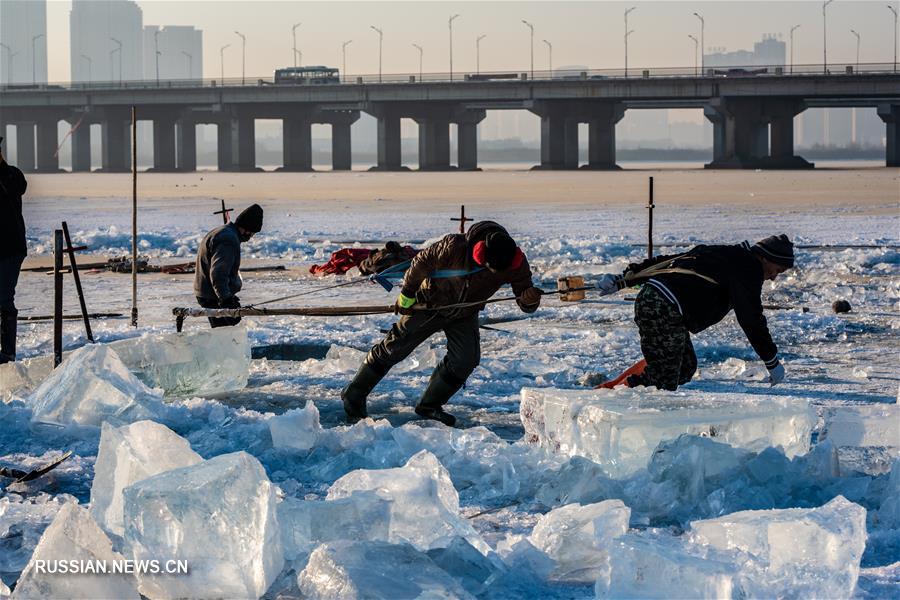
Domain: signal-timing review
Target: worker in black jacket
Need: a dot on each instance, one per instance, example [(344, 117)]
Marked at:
[(689, 292), (12, 253)]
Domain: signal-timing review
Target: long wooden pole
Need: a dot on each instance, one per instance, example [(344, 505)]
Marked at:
[(57, 296), (70, 250), (650, 207), (134, 257)]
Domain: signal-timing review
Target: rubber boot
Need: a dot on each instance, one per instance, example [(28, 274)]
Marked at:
[(8, 335), (441, 387), (356, 392)]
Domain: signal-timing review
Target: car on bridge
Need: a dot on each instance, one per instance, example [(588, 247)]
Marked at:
[(306, 75)]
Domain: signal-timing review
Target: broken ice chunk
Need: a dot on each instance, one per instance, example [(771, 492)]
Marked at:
[(814, 553), (662, 567), (865, 425), (889, 513), (202, 362), (297, 429), (74, 540), (467, 565), (425, 509), (90, 387), (219, 516), (22, 522), (127, 455), (619, 429), (21, 377), (578, 537), (348, 570)]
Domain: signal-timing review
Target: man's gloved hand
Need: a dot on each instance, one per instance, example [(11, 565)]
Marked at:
[(776, 374), (531, 297), (610, 284), (232, 302), (404, 305)]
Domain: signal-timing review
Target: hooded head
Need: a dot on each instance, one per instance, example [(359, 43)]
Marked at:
[(498, 252), (250, 220), (777, 251)]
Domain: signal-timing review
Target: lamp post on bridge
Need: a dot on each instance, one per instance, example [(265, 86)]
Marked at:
[(450, 27), (702, 42), (478, 53), (190, 64), (243, 57), (531, 28), (421, 52), (34, 39), (627, 33), (90, 64), (119, 50), (825, 36), (550, 58), (9, 54), (380, 41), (344, 57), (792, 46), (696, 44), (156, 53), (222, 62), (858, 39), (294, 36), (894, 10)]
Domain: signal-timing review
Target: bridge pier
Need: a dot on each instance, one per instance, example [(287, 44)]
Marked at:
[(164, 144), (467, 139), (297, 144), (341, 147), (47, 143), (389, 158), (186, 144), (237, 143), (434, 144), (81, 144), (602, 137), (890, 114), (554, 141), (116, 131), (25, 146)]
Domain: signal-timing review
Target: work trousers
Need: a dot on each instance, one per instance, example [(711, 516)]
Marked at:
[(9, 277), (665, 341), (217, 321)]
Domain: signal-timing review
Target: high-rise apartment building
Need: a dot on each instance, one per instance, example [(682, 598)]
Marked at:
[(23, 41), (180, 51), (106, 40)]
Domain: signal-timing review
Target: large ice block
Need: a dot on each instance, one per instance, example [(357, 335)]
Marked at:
[(307, 523), (90, 387), (425, 508), (129, 454), (663, 568), (619, 429), (20, 378), (218, 515), (74, 541), (297, 429), (201, 362), (348, 570), (813, 552), (888, 515), (864, 425), (22, 523), (578, 537)]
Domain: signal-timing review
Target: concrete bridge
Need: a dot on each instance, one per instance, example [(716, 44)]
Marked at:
[(752, 115)]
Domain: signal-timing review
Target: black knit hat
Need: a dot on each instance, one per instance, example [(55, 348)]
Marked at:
[(777, 249), (500, 250), (251, 219)]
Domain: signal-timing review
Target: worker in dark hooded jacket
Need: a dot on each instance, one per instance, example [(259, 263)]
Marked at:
[(689, 292), (217, 278), (458, 269), (12, 253)]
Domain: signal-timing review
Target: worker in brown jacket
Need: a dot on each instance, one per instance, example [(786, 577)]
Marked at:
[(459, 269)]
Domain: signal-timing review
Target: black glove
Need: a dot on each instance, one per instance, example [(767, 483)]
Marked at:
[(232, 302)]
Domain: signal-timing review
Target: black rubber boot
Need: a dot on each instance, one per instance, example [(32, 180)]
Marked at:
[(356, 392), (441, 387), (8, 336)]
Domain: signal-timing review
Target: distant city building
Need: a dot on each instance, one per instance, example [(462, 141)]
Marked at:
[(23, 33), (94, 27), (180, 52), (770, 51)]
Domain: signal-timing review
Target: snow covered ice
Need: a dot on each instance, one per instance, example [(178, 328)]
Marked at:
[(74, 537), (218, 515), (297, 429), (93, 386), (619, 429), (202, 362), (348, 570), (129, 454)]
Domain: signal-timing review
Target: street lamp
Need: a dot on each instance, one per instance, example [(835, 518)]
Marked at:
[(531, 27), (854, 32), (702, 42), (243, 57), (119, 50), (792, 46), (824, 37), (294, 36), (450, 27), (344, 56), (478, 52), (894, 10), (380, 40), (550, 59), (90, 63), (222, 61), (696, 44), (33, 57), (627, 33), (8, 62), (421, 52), (190, 64), (156, 49)]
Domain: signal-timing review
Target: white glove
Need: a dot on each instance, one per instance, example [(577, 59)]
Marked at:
[(609, 284), (776, 374)]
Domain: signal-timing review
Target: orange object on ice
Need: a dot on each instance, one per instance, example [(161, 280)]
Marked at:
[(635, 369)]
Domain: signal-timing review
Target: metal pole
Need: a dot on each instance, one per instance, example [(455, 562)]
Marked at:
[(650, 207), (294, 35), (419, 48), (134, 257), (854, 32), (119, 50), (222, 61), (450, 27), (695, 53), (57, 296), (380, 40), (478, 53), (702, 43), (8, 62), (894, 10), (627, 33), (550, 50), (792, 46), (344, 55), (156, 50), (90, 64), (824, 37), (34, 57), (531, 28), (243, 57), (70, 250), (190, 64)]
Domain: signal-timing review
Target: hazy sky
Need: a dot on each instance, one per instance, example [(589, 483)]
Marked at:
[(582, 33)]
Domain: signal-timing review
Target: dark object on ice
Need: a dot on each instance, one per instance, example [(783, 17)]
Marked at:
[(32, 318), (12, 252), (354, 394), (840, 306), (251, 218), (23, 476), (122, 264), (369, 260), (290, 351), (776, 248)]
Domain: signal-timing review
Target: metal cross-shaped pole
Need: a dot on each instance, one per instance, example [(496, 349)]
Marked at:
[(224, 212), (71, 250), (463, 219)]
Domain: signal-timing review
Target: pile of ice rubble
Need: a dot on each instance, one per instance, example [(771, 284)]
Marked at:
[(612, 492)]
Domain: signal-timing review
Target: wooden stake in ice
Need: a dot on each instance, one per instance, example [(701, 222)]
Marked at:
[(134, 257), (650, 207), (226, 217), (57, 296), (463, 219), (71, 250)]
